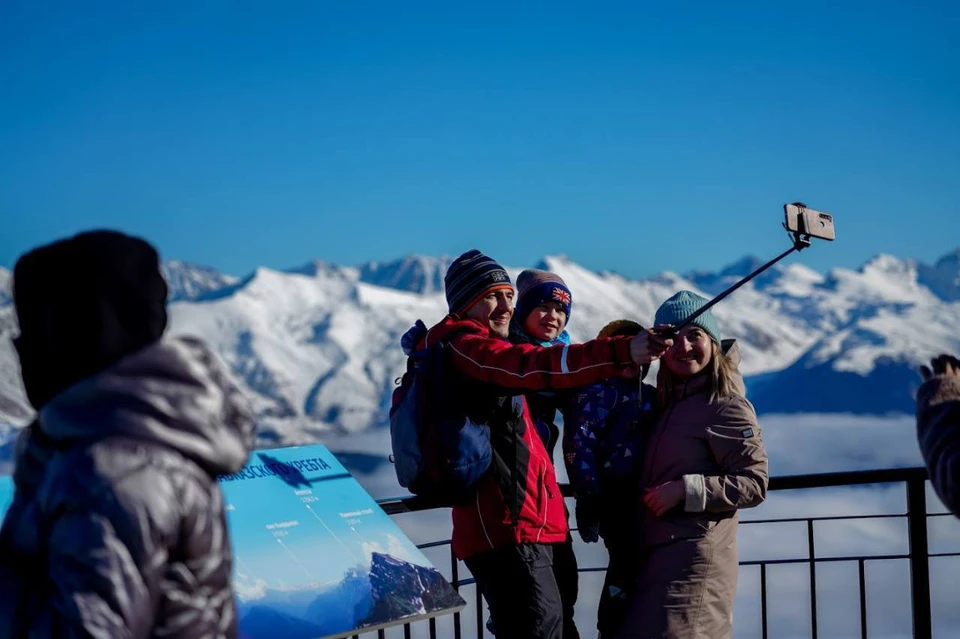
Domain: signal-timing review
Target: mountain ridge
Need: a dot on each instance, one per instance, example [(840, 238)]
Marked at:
[(317, 346)]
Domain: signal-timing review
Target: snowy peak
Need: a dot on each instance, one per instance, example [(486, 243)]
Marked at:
[(14, 408), (950, 261), (571, 272), (185, 281), (193, 282), (316, 347), (944, 277), (714, 283), (884, 279), (743, 266), (555, 263), (803, 273), (414, 273), (885, 265), (6, 287), (320, 269)]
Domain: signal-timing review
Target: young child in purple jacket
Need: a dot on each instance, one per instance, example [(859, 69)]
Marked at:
[(606, 426)]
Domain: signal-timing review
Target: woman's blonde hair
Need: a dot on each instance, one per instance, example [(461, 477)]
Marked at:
[(720, 371)]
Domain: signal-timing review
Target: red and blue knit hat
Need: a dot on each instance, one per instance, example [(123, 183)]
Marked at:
[(535, 287), (470, 277)]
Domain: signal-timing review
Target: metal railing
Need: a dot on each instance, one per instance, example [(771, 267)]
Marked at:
[(917, 554)]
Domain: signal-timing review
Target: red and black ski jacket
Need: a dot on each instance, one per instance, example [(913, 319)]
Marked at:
[(518, 500)]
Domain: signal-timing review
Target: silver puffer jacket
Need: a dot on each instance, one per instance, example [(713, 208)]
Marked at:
[(117, 527)]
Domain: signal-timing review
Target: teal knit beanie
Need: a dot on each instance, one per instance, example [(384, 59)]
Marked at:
[(684, 304)]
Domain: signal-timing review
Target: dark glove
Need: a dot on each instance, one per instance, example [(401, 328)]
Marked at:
[(413, 337), (587, 512)]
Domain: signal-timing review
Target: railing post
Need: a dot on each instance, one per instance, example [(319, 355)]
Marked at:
[(919, 557), (455, 578), (811, 546), (763, 600), (862, 570)]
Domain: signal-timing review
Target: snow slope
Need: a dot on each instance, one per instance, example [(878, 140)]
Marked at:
[(317, 346)]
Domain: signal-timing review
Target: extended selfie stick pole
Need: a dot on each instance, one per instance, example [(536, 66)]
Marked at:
[(801, 240)]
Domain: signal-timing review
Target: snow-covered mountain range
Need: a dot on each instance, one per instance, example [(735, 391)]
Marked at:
[(317, 346)]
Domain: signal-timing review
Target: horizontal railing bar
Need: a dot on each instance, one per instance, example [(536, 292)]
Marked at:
[(400, 505), (837, 518), (806, 560), (446, 542), (434, 544), (786, 520), (757, 562), (847, 478)]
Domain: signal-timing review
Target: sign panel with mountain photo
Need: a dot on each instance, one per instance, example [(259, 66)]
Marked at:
[(315, 556)]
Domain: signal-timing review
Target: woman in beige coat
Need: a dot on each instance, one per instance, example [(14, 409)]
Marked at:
[(704, 461)]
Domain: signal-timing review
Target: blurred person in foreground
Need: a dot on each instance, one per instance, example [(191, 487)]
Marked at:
[(117, 526), (938, 427)]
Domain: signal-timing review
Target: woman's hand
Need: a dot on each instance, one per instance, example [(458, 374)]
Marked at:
[(648, 346), (664, 497)]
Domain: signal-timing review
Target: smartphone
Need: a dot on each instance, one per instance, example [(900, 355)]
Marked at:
[(800, 219)]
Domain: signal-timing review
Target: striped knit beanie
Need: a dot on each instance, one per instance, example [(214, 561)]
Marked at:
[(684, 304), (470, 277), (534, 287)]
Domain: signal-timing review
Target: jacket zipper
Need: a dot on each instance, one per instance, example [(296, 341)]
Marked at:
[(546, 501), (483, 526)]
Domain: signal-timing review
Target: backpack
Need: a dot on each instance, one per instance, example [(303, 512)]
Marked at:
[(438, 452)]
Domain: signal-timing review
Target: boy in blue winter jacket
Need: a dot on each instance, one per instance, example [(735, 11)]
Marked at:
[(606, 426)]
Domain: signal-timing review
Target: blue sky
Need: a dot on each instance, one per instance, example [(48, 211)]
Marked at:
[(631, 136)]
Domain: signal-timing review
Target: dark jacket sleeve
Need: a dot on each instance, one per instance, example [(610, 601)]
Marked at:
[(735, 441), (12, 591), (938, 434), (526, 367), (107, 552), (14, 568)]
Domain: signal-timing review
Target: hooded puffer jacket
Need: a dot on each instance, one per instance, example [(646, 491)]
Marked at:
[(117, 527)]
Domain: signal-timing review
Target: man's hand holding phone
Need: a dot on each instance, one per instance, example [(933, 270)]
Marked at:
[(650, 345)]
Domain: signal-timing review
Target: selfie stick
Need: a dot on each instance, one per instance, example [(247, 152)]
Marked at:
[(801, 240)]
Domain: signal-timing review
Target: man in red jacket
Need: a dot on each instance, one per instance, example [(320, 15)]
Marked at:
[(505, 536)]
